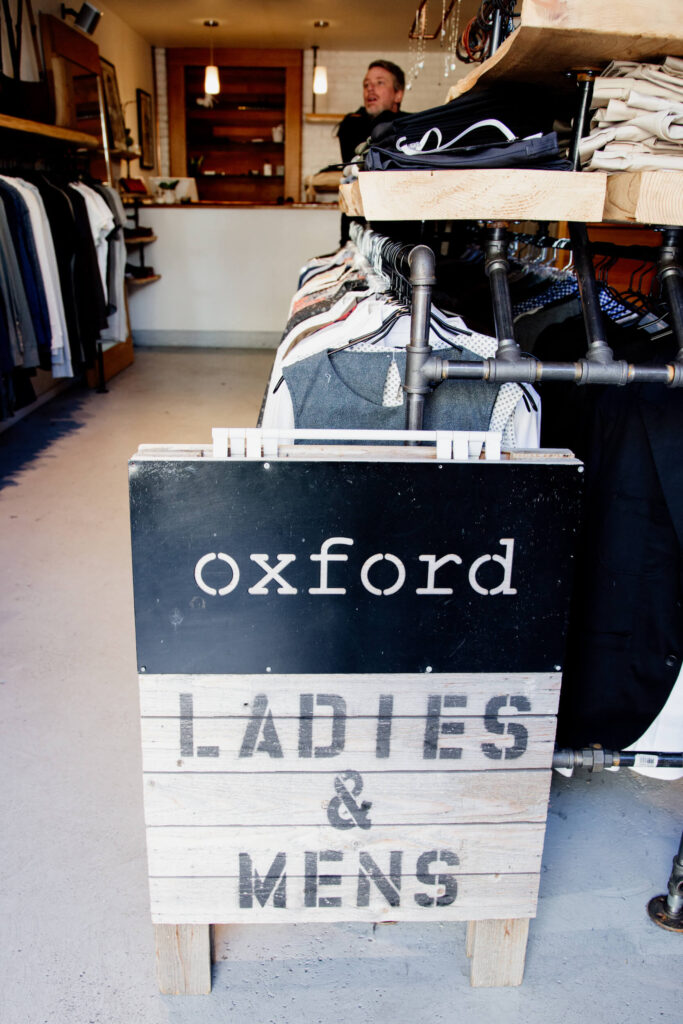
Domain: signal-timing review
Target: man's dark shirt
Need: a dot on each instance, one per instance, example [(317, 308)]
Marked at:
[(356, 128)]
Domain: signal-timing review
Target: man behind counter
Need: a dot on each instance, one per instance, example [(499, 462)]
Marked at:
[(383, 88)]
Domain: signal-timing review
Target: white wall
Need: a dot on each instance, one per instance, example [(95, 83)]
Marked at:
[(227, 274)]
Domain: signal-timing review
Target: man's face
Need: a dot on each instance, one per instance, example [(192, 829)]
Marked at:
[(379, 92)]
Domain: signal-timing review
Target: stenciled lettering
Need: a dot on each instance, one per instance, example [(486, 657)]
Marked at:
[(384, 720), (187, 730), (336, 745), (433, 565), (261, 724), (493, 724), (325, 557), (203, 562), (476, 575), (389, 886), (274, 884), (395, 587), (272, 573), (431, 870), (447, 880), (434, 727), (312, 879), (505, 560)]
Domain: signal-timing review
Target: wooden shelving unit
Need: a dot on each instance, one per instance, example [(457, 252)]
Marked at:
[(237, 138), (555, 36), (49, 131)]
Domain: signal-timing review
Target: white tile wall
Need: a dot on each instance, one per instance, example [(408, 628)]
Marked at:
[(162, 110)]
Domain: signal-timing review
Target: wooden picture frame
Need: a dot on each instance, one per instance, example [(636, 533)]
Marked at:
[(114, 110), (145, 129)]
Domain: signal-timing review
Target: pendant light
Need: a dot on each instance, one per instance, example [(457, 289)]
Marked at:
[(212, 83), (319, 77)]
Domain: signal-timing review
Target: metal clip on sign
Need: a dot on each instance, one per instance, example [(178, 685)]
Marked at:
[(451, 445)]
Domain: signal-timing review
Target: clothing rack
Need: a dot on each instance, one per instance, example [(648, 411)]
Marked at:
[(424, 370)]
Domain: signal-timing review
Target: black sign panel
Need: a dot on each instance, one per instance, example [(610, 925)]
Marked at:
[(347, 567)]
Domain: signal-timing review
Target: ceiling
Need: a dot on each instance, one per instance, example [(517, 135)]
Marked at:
[(353, 24)]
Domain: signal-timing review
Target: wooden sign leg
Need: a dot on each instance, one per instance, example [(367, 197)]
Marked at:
[(183, 954), (498, 951)]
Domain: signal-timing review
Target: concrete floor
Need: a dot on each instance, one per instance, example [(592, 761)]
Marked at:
[(76, 941)]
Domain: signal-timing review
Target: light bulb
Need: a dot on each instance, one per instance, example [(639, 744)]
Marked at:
[(320, 80), (212, 84)]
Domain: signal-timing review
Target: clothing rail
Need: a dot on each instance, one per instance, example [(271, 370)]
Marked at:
[(424, 370)]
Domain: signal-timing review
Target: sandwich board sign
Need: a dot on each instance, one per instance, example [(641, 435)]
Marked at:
[(349, 675)]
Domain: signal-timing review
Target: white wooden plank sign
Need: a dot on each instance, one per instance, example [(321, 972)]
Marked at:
[(358, 797)]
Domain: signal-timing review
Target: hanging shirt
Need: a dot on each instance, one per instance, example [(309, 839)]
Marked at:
[(59, 342)]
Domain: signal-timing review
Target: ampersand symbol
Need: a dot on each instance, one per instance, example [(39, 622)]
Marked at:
[(346, 796)]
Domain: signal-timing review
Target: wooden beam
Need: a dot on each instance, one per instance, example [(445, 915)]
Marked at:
[(183, 958), (645, 197), (557, 35), (350, 201), (482, 194), (498, 951)]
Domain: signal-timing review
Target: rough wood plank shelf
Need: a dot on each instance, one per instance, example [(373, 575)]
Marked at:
[(141, 240), (350, 201), (645, 197), (477, 194), (51, 131), (323, 118), (557, 35), (143, 280)]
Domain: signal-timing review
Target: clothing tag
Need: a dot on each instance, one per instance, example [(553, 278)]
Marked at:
[(645, 761), (392, 395)]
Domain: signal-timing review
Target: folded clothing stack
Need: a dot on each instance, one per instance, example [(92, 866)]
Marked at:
[(637, 123), (499, 126)]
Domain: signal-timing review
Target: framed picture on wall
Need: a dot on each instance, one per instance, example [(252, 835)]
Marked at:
[(145, 129), (112, 102)]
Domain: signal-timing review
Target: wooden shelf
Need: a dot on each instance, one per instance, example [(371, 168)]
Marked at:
[(143, 280), (645, 197), (116, 356), (555, 36), (50, 131), (477, 194), (323, 118), (141, 240)]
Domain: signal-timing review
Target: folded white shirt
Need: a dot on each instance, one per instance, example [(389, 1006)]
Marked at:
[(603, 161)]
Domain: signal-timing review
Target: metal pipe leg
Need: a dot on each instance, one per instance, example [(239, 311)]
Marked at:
[(497, 273), (667, 911), (598, 349), (585, 84), (670, 273), (416, 387)]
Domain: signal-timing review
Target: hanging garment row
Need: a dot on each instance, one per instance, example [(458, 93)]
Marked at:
[(62, 270), (341, 361), (622, 678)]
